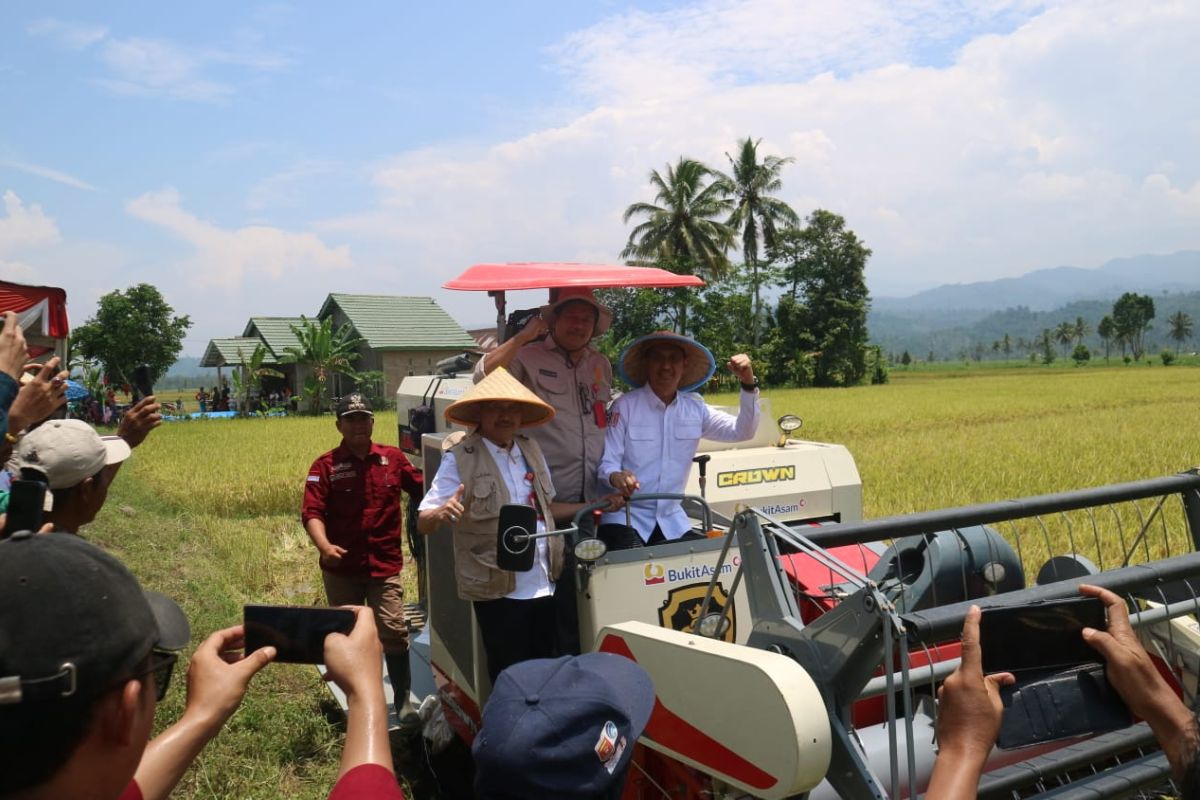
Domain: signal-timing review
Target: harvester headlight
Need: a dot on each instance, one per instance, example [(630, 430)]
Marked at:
[(788, 424), (590, 549), (713, 626)]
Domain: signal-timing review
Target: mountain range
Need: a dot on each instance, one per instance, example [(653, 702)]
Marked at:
[(954, 319)]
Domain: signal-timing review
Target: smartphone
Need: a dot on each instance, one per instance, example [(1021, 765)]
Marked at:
[(26, 503), (296, 632), (1040, 636), (142, 385)]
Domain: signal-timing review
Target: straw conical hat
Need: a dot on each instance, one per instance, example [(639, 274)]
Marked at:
[(698, 368), (501, 386)]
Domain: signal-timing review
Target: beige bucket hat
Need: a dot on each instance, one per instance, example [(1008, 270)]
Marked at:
[(501, 386), (560, 297)]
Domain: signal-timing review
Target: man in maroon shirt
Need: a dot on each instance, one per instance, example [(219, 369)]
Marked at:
[(352, 514)]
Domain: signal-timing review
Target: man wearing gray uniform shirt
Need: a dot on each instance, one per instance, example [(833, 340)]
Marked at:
[(576, 379)]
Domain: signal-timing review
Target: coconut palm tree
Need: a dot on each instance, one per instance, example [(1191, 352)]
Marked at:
[(682, 225), (756, 215), (1181, 328), (1065, 335), (325, 351), (682, 229)]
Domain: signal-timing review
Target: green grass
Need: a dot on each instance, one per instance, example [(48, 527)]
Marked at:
[(207, 511)]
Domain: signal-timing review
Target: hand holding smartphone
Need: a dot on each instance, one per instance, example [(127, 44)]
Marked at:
[(1061, 689), (296, 632)]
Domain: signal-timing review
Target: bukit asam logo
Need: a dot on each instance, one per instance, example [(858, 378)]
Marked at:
[(655, 574)]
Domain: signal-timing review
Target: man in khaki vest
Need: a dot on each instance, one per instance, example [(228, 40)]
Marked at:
[(497, 464)]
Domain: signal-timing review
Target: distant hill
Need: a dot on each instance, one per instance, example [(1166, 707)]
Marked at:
[(1046, 289), (953, 321), (188, 367)]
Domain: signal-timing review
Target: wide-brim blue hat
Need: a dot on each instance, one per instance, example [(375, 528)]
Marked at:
[(562, 728), (697, 369)]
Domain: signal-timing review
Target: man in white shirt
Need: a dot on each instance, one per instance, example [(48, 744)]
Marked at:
[(655, 430)]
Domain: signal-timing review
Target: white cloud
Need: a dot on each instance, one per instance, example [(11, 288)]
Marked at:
[(281, 190), (225, 258), (16, 271), (148, 66), (48, 173), (24, 226), (75, 35), (960, 140)]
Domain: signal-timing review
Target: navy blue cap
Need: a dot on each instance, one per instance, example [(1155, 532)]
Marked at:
[(73, 620), (562, 728)]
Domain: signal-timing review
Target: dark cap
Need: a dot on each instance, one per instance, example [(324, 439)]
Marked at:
[(74, 621), (562, 728), (354, 404)]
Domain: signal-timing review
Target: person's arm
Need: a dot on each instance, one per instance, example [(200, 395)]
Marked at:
[(135, 426), (721, 427), (13, 351), (412, 480), (354, 663), (442, 505), (1141, 686), (969, 714), (564, 512), (38, 399), (216, 683), (504, 354), (312, 513)]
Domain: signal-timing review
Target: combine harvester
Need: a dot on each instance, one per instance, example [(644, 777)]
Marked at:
[(797, 651)]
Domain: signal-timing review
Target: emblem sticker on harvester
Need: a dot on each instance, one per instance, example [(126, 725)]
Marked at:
[(681, 610), (653, 574), (610, 746)]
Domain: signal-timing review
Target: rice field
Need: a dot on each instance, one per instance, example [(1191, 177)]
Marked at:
[(207, 511)]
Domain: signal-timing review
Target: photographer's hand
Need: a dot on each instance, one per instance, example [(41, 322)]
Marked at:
[(139, 420), (355, 664), (13, 351), (969, 715), (39, 398), (1141, 686), (217, 679)]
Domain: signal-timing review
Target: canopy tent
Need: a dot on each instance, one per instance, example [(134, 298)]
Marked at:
[(42, 311)]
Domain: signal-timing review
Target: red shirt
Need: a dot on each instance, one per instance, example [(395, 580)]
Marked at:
[(359, 501)]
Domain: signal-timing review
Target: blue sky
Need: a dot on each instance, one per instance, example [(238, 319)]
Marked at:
[(249, 159)]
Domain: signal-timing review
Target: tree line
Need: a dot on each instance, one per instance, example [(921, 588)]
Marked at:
[(1124, 328)]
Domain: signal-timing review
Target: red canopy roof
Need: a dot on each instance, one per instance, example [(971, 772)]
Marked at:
[(42, 311), (511, 277)]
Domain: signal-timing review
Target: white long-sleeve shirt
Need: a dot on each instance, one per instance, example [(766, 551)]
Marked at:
[(656, 442)]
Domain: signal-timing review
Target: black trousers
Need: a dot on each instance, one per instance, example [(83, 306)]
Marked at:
[(623, 537), (515, 630)]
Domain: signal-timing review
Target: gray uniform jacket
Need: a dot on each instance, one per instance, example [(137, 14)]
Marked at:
[(574, 440)]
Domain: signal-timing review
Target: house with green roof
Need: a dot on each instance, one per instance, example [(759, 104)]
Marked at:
[(403, 335)]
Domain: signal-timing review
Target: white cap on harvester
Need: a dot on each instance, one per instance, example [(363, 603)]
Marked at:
[(68, 451)]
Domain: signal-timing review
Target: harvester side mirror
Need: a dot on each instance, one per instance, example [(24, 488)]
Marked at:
[(788, 424), (515, 548)]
